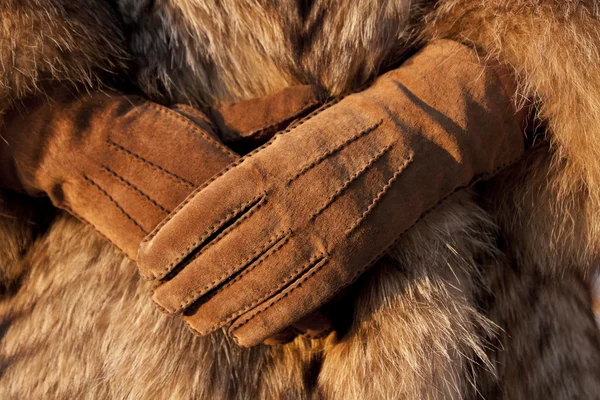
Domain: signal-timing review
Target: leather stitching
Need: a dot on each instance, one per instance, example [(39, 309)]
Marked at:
[(192, 297), (150, 163), (332, 151), (194, 130), (109, 197), (258, 133), (380, 195), (281, 242), (195, 192), (351, 179), (274, 300), (134, 188), (256, 203), (281, 285), (359, 272)]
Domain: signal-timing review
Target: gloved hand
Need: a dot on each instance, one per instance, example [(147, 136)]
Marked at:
[(122, 163), (281, 231)]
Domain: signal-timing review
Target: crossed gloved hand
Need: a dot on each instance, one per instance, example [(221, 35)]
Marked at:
[(122, 163), (282, 230), (275, 234)]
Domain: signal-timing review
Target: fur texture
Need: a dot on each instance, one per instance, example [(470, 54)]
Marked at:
[(487, 297)]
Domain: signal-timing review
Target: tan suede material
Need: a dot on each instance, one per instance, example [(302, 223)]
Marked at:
[(246, 124), (121, 163), (284, 229)]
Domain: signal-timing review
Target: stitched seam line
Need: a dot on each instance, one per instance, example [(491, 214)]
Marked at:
[(258, 133), (351, 179), (185, 109), (380, 195), (353, 278), (317, 267), (151, 164), (314, 260), (195, 192), (134, 188), (332, 151), (192, 297), (263, 257), (255, 204), (230, 317), (94, 184), (193, 128), (314, 113)]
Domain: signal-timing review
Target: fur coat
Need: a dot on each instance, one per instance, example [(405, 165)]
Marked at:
[(487, 297)]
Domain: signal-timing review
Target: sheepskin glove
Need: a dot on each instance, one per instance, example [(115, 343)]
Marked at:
[(285, 228), (123, 163)]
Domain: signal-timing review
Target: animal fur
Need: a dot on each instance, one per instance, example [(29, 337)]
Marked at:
[(489, 296)]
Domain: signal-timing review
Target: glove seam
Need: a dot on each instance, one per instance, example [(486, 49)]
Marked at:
[(349, 181), (256, 134), (114, 202), (199, 292), (279, 288), (197, 190), (282, 294), (281, 241), (141, 159), (254, 205), (379, 255), (185, 109), (192, 128), (380, 195), (134, 188), (332, 151)]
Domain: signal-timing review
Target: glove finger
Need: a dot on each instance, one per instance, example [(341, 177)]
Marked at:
[(196, 221), (251, 122), (247, 240), (319, 282), (261, 280)]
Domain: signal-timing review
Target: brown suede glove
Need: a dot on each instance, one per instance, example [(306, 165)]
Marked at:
[(284, 229), (122, 163)]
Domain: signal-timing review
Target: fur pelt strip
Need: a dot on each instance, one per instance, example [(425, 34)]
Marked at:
[(444, 316)]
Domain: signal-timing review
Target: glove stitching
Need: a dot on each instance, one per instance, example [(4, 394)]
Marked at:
[(256, 203), (184, 109), (380, 195), (193, 128), (281, 242), (196, 191), (355, 276), (264, 131), (351, 179), (109, 197), (192, 297), (332, 151), (274, 300), (313, 114), (134, 188), (314, 260), (151, 164)]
